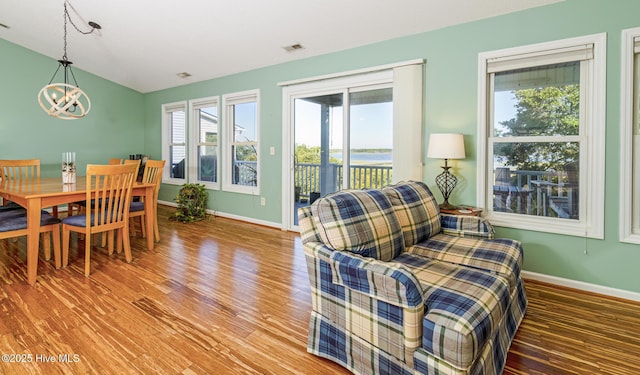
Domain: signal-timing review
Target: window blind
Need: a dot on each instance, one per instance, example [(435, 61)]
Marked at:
[(538, 58), (407, 122), (636, 44)]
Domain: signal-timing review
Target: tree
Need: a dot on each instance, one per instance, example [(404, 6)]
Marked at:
[(311, 154), (546, 111), (307, 154)]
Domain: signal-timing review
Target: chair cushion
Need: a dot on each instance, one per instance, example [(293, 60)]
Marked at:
[(80, 220), (502, 256), (417, 210), (464, 307), (136, 206), (17, 219), (464, 226), (359, 221), (10, 206)]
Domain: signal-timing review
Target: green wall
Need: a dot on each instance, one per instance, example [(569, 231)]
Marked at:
[(113, 128), (451, 105), (122, 121)]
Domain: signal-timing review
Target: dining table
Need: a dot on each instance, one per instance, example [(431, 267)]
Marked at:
[(39, 193)]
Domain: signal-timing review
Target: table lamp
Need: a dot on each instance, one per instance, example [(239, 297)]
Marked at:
[(446, 146)]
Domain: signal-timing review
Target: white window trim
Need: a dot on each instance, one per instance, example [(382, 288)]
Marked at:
[(408, 164), (628, 205), (592, 183), (194, 139), (228, 136), (166, 142)]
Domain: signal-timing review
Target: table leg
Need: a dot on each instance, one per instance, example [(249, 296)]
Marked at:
[(33, 238)]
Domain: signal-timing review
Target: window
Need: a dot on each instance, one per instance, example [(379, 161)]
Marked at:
[(630, 137), (541, 136), (241, 163), (174, 140), (204, 144)]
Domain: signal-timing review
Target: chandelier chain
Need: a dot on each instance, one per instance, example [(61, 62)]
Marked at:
[(64, 56), (67, 15)]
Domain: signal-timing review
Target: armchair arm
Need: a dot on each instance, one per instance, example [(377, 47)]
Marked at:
[(466, 226), (386, 281)]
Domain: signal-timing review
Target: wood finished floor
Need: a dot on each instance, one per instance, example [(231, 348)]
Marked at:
[(225, 297)]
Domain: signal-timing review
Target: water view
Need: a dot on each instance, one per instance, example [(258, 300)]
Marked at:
[(375, 157)]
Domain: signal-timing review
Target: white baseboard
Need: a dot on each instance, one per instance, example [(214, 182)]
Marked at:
[(594, 288), (232, 216)]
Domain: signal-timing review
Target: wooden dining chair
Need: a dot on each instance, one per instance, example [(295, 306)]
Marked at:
[(13, 217), (152, 175), (107, 200), (14, 224), (79, 206), (18, 170)]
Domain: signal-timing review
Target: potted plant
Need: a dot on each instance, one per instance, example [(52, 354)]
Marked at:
[(192, 203)]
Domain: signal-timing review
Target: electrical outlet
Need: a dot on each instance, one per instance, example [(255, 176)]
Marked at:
[(263, 201)]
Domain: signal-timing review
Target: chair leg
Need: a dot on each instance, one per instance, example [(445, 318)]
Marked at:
[(104, 236), (109, 236), (65, 246), (56, 245), (155, 226), (126, 243), (119, 241), (142, 225), (87, 255), (46, 244)]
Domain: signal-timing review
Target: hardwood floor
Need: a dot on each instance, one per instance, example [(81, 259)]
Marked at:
[(223, 296)]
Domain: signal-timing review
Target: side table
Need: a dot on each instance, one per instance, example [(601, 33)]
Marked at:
[(463, 210)]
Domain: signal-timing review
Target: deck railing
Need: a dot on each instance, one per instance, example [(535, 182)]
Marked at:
[(307, 178), (539, 193)]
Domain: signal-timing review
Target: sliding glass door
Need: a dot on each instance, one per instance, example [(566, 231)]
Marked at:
[(356, 130), (342, 140)]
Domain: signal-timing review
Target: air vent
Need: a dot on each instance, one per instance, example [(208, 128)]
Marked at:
[(184, 75), (4, 26), (293, 47)]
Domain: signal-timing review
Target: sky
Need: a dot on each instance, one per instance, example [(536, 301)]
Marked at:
[(371, 125)]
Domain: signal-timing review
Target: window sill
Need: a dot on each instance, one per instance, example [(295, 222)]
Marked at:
[(567, 227)]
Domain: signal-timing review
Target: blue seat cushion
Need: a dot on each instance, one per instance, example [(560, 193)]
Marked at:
[(80, 220), (17, 219), (136, 206), (10, 206)]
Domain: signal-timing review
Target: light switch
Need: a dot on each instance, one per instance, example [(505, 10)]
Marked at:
[(272, 150)]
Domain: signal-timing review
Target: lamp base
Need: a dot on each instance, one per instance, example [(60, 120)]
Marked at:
[(447, 206)]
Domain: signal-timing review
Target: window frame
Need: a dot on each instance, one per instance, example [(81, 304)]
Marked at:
[(592, 151), (167, 109), (194, 140), (629, 174), (228, 134)]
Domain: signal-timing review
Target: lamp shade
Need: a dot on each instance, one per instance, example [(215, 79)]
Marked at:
[(446, 146)]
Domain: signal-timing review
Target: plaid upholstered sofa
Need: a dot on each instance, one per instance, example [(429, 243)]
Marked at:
[(398, 288)]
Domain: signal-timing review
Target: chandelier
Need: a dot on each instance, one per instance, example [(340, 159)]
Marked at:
[(66, 100)]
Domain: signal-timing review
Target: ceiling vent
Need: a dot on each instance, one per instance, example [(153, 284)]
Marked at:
[(293, 47), (184, 75)]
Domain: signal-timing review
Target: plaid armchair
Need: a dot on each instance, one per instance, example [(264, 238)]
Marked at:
[(398, 288)]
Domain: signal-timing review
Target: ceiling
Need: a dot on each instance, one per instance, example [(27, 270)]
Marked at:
[(144, 44)]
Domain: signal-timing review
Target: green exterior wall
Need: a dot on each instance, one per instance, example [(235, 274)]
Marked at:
[(451, 56)]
